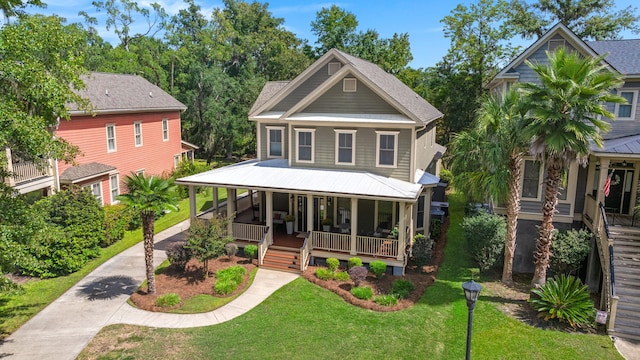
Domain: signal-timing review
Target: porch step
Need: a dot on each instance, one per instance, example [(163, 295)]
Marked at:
[(626, 261), (283, 260)]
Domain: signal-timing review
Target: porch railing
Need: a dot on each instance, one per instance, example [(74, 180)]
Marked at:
[(263, 245), (248, 232), (331, 241), (25, 170), (305, 252), (386, 247)]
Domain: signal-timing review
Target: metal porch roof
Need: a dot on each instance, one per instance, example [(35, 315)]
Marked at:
[(277, 175)]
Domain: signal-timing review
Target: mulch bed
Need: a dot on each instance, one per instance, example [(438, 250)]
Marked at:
[(190, 282)]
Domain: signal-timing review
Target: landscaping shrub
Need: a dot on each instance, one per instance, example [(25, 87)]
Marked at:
[(324, 274), (435, 227), (186, 168), (251, 251), (354, 261), (386, 300), (378, 267), (364, 293), (231, 250), (168, 300), (358, 274), (564, 298), (224, 286), (333, 264), (402, 288), (228, 280), (446, 176), (178, 255), (341, 276), (485, 234), (117, 219), (422, 250), (569, 249), (207, 240)]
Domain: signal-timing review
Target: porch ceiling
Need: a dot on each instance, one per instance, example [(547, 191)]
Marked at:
[(277, 175)]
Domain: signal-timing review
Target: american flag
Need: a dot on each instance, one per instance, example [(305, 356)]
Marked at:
[(607, 185)]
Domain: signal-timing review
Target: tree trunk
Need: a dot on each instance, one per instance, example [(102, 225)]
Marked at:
[(543, 244), (512, 211), (147, 230)]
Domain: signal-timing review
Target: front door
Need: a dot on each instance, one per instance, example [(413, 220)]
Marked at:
[(619, 199), (301, 205)]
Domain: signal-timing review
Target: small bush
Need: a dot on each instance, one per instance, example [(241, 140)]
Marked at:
[(422, 250), (485, 234), (228, 280), (358, 274), (569, 249), (363, 293), (354, 261), (324, 274), (435, 227), (378, 267), (402, 288), (117, 219), (566, 299), (332, 264), (178, 255), (386, 300), (168, 300), (251, 251), (341, 276), (231, 249), (446, 176), (224, 286)]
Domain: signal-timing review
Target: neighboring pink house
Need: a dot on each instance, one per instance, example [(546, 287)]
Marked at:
[(134, 127)]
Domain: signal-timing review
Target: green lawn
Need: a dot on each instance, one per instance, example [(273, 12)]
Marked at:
[(302, 320), (16, 310)]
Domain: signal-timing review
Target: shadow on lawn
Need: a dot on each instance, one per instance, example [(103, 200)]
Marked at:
[(108, 287), (11, 312)]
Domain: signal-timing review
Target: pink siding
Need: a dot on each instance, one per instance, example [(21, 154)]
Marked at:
[(155, 156)]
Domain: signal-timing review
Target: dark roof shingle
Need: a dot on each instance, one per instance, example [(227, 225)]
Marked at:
[(624, 55), (85, 171)]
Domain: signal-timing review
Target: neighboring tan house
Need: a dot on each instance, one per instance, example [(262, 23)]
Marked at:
[(350, 152), (579, 203), (134, 126)]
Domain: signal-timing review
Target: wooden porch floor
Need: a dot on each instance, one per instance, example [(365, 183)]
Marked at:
[(623, 220)]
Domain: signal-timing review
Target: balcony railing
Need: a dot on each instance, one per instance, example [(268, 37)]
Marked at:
[(25, 171)]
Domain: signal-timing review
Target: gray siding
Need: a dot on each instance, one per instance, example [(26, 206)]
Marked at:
[(362, 101), (425, 150), (264, 140), (526, 244), (529, 206), (621, 128), (304, 89), (538, 56)]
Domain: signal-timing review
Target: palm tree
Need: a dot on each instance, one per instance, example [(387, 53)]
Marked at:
[(488, 156), (148, 195), (566, 111)]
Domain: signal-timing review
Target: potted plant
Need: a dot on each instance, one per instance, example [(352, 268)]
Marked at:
[(289, 219), (326, 224)]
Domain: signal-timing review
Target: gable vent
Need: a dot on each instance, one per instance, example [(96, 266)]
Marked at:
[(554, 44), (334, 67), (349, 84)]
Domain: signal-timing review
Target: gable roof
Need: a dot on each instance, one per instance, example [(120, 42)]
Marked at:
[(624, 55), (384, 84), (122, 93), (83, 172)]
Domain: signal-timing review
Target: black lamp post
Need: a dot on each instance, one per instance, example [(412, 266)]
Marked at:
[(471, 292)]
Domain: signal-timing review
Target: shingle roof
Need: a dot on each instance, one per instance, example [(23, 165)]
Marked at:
[(124, 93), (270, 89), (624, 55), (85, 171)]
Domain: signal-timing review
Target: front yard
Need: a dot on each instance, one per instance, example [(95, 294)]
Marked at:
[(303, 320)]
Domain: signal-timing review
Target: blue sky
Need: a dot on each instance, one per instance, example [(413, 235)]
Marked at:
[(419, 18)]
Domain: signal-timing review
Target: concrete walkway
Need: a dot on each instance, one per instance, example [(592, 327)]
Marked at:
[(65, 327)]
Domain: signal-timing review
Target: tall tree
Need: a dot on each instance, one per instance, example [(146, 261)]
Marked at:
[(335, 28), (488, 156), (589, 19), (12, 8), (565, 112), (147, 196)]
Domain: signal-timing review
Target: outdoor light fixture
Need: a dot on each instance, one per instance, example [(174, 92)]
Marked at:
[(471, 291)]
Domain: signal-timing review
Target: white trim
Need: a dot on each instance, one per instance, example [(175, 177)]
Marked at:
[(165, 129), (540, 180), (111, 188), (353, 146), (349, 85), (556, 44), (281, 129), (140, 172), (313, 144), (137, 125), (633, 103), (395, 148), (115, 144), (333, 67)]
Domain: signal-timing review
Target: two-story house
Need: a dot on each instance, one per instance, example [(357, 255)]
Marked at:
[(344, 145), (133, 126), (579, 202)]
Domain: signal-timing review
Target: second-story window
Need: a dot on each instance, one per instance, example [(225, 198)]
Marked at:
[(137, 133), (165, 129), (345, 147), (531, 179), (387, 148), (305, 151), (111, 138), (627, 111), (275, 141)]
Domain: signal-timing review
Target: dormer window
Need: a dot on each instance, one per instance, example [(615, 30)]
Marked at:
[(334, 67), (349, 85)]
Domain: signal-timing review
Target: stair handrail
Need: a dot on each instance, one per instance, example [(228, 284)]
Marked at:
[(611, 300), (305, 251), (263, 245), (612, 280)]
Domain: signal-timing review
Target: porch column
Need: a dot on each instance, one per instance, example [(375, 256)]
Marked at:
[(354, 225), (310, 212), (215, 200), (591, 171), (231, 208), (269, 214), (192, 203), (376, 218), (604, 172), (402, 231), (394, 220)]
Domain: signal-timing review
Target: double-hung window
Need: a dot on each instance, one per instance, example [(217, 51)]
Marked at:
[(531, 179), (111, 137), (387, 148), (304, 149), (137, 133), (627, 111), (114, 184), (275, 137), (165, 129), (345, 147), (96, 190)]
